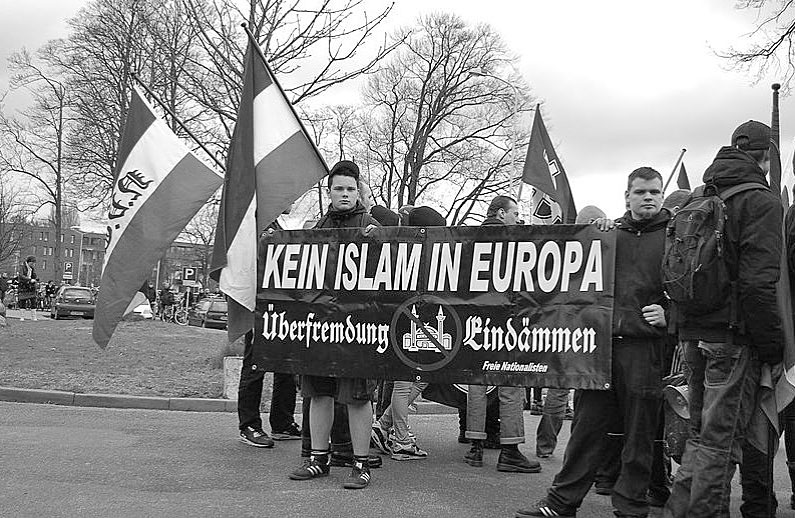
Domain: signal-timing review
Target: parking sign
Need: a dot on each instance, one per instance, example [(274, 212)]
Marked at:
[(67, 271)]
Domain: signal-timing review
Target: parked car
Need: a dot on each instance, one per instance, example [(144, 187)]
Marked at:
[(73, 301), (210, 312)]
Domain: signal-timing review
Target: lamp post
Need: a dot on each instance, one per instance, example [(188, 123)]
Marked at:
[(79, 254), (477, 72)]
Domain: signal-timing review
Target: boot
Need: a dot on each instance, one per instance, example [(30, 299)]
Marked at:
[(513, 461), (475, 455)]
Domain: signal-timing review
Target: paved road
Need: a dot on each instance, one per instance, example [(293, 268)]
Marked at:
[(96, 462)]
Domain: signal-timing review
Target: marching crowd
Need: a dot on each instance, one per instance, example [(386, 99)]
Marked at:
[(721, 320)]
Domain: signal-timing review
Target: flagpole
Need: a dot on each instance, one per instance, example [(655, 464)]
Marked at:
[(176, 119), (673, 172), (256, 46)]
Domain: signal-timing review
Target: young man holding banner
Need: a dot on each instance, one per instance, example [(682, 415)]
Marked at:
[(356, 393), (503, 210), (639, 328)]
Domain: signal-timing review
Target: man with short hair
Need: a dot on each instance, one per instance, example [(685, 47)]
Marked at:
[(346, 211), (639, 328), (724, 349), (502, 210)]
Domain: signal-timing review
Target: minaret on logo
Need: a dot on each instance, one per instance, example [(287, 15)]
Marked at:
[(419, 339)]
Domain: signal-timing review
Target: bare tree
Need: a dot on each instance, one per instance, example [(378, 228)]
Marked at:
[(201, 233), (13, 219), (33, 145), (769, 46), (431, 124)]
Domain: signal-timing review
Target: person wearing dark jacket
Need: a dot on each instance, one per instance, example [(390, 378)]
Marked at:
[(724, 349), (502, 210), (346, 211), (639, 328), (27, 280)]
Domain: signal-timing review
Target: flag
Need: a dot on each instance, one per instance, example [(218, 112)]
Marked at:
[(271, 162), (543, 170), (159, 185), (682, 181), (543, 210)]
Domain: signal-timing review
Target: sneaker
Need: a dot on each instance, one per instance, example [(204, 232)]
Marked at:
[(379, 438), (359, 477), (543, 455), (475, 456), (345, 460), (542, 508), (291, 433), (513, 461), (311, 468), (255, 437), (407, 452)]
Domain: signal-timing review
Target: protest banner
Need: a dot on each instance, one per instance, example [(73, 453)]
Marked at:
[(514, 305)]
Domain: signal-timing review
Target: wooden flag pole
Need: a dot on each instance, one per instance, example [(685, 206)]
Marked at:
[(676, 166), (176, 119)]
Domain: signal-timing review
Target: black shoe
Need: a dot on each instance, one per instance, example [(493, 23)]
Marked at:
[(359, 477), (291, 433), (792, 501), (313, 467), (544, 509), (342, 460), (255, 437), (512, 461), (475, 455), (656, 499)]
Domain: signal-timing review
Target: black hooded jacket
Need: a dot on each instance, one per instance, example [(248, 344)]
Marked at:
[(352, 218), (753, 256), (639, 250)]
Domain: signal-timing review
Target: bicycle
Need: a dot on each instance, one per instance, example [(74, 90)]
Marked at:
[(177, 315)]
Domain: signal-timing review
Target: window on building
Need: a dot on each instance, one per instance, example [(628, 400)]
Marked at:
[(73, 239), (44, 264), (46, 236), (62, 236)]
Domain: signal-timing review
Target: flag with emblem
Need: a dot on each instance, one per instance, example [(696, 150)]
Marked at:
[(682, 181), (159, 185), (544, 172), (271, 162)]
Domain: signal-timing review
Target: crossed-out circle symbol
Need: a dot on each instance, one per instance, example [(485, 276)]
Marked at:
[(404, 311)]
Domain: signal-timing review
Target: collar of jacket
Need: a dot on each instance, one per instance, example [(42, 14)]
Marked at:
[(626, 222), (343, 214), (733, 166), (492, 220)]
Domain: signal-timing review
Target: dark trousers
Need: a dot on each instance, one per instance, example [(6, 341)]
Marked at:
[(788, 423), (660, 486), (340, 432), (249, 394), (282, 401), (756, 479), (634, 399)]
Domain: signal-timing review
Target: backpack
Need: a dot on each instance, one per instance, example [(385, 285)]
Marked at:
[(695, 275)]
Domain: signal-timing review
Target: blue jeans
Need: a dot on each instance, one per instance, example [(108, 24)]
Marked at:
[(723, 381), (511, 418)]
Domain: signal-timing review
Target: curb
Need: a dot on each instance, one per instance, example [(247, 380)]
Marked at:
[(55, 397)]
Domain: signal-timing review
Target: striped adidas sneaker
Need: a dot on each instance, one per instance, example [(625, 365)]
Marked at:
[(543, 509), (312, 468), (359, 477)]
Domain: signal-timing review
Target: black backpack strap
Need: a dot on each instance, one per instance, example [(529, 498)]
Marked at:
[(741, 187)]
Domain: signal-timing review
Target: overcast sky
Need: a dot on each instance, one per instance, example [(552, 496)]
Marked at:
[(625, 83)]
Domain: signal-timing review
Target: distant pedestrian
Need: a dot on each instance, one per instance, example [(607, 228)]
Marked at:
[(27, 279), (3, 286)]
